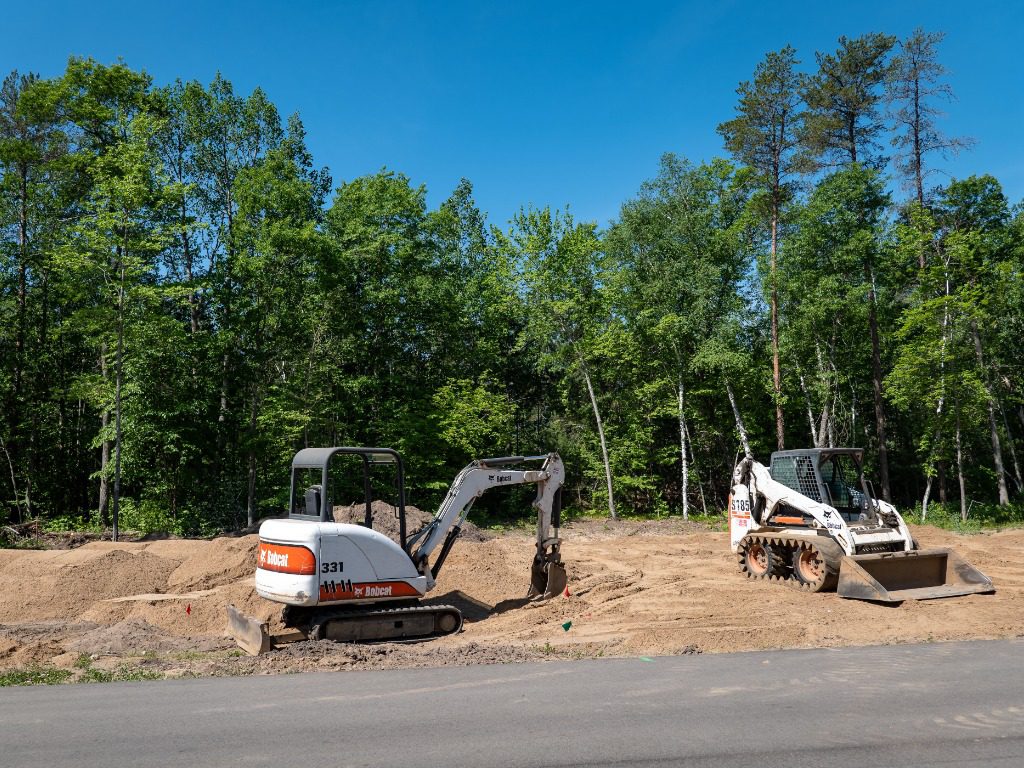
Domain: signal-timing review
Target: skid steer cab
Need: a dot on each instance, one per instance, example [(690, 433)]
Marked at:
[(355, 582), (813, 520)]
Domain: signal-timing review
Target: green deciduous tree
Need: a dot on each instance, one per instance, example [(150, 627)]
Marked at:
[(679, 260), (564, 284), (833, 274)]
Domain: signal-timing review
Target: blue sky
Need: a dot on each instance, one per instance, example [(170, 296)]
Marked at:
[(539, 103)]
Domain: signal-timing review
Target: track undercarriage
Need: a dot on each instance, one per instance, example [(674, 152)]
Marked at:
[(355, 624), (808, 562), (405, 621)]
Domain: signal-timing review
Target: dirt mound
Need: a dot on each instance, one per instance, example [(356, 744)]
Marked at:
[(635, 588), (385, 520), (215, 563), (61, 584), (132, 638)]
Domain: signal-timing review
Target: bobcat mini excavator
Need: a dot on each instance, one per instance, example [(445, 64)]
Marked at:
[(814, 521), (351, 583)]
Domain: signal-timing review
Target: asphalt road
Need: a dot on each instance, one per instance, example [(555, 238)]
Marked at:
[(949, 704)]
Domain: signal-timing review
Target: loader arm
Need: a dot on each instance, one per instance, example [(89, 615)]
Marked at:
[(548, 574)]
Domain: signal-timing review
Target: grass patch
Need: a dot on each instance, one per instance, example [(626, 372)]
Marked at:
[(714, 521), (34, 676), (980, 517), (123, 673)]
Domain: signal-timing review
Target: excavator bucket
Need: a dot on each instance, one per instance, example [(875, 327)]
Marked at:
[(892, 577), (252, 636), (547, 579)]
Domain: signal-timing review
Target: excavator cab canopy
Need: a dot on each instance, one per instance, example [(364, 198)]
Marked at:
[(319, 474)]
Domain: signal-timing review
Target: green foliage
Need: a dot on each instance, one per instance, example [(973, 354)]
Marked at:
[(980, 516), (64, 523), (35, 676), (186, 303), (121, 674), (473, 419), (843, 99)]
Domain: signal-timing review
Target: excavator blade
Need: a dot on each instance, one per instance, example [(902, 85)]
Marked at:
[(252, 636), (547, 579), (925, 574)]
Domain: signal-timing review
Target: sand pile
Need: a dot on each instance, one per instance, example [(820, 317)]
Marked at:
[(657, 587)]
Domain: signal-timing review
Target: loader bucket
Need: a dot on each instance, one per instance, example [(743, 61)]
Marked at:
[(892, 577), (252, 636)]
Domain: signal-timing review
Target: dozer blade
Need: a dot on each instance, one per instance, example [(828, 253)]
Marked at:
[(892, 577), (547, 579), (252, 636)]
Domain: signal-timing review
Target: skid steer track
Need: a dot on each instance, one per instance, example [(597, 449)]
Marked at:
[(808, 563)]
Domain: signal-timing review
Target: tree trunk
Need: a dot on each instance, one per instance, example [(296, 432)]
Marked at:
[(600, 434), (924, 502), (827, 424), (876, 385), (19, 351), (739, 421), (960, 466), (918, 171), (1013, 451), (941, 465), (700, 486), (780, 438), (682, 452), (825, 428), (14, 481), (119, 376), (250, 504), (104, 497), (223, 410), (193, 296), (810, 409), (997, 450)]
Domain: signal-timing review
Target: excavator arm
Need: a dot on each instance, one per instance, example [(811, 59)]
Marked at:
[(548, 575)]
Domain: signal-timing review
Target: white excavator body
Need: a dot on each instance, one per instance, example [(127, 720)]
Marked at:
[(349, 582), (308, 564)]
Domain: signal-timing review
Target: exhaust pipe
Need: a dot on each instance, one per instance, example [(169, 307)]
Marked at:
[(892, 577)]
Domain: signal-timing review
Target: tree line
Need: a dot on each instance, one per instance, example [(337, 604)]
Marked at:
[(187, 299)]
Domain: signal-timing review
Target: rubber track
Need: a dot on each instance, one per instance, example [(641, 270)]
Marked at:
[(779, 570), (785, 546), (326, 615)]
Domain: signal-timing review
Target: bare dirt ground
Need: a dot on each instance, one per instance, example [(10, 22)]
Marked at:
[(635, 589)]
